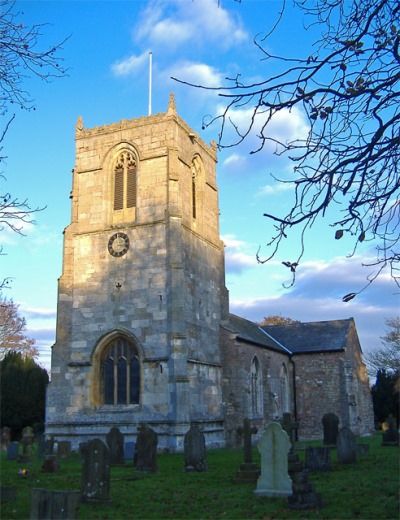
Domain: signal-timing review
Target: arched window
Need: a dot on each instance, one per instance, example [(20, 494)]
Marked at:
[(284, 390), (125, 173), (120, 373), (256, 388)]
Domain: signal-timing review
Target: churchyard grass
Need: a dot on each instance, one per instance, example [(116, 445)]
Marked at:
[(368, 490)]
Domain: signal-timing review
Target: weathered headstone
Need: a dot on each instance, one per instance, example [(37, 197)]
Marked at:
[(12, 451), (115, 443), (95, 479), (195, 450), (290, 428), (129, 451), (7, 494), (146, 449), (82, 450), (248, 471), (346, 447), (54, 505), (43, 447), (390, 436), (5, 437), (330, 424), (27, 441), (318, 458), (50, 464), (274, 447), (64, 449), (362, 449)]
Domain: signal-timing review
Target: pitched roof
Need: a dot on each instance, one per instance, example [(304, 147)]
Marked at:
[(251, 332), (317, 336)]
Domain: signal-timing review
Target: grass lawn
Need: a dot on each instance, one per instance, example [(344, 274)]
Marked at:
[(367, 490)]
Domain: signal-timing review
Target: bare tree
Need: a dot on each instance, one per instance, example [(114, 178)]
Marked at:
[(12, 331), (21, 57), (347, 87), (387, 355)]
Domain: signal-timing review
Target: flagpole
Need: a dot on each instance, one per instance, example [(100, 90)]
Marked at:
[(150, 78)]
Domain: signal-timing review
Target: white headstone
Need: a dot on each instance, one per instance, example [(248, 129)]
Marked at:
[(274, 447)]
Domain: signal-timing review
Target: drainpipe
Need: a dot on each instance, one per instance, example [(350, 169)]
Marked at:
[(294, 393)]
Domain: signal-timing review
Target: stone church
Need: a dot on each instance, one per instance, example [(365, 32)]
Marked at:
[(144, 332)]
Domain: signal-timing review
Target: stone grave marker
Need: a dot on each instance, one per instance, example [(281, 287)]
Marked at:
[(95, 478), (195, 450), (54, 505), (330, 424), (390, 436), (274, 447), (82, 449), (12, 451), (129, 451), (248, 471), (362, 449), (7, 494), (146, 449), (64, 449), (115, 443), (5, 437), (51, 464), (318, 458), (27, 441), (346, 446), (290, 428), (43, 447)]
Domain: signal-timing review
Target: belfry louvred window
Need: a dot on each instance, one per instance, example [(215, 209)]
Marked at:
[(125, 173)]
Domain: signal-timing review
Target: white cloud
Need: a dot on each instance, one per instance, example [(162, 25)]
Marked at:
[(174, 23), (237, 258), (130, 65), (284, 126), (196, 73)]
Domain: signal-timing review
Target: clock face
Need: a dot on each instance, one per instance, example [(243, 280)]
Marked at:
[(118, 244)]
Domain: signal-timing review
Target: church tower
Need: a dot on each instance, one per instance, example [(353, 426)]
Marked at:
[(142, 292)]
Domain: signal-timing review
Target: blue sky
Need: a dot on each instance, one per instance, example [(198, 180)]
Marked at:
[(107, 55)]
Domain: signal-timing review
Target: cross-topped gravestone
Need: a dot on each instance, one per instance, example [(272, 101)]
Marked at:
[(247, 431), (248, 471)]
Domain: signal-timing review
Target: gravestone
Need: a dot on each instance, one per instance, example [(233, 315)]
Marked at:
[(290, 428), (54, 505), (248, 471), (82, 450), (115, 443), (195, 450), (64, 449), (274, 447), (95, 478), (27, 441), (330, 424), (346, 447), (43, 447), (318, 458), (146, 449), (390, 436), (362, 449), (5, 437), (7, 494), (129, 451), (50, 464), (12, 451)]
